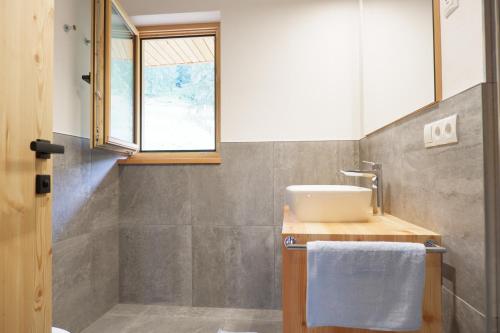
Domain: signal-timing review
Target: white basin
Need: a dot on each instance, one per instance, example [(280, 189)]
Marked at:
[(329, 203)]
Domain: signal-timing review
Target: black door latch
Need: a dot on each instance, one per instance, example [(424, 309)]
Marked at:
[(42, 184), (44, 148)]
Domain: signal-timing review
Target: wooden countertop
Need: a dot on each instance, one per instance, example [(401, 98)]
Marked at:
[(385, 227)]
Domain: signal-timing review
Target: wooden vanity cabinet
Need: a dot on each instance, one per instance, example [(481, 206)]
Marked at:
[(378, 228)]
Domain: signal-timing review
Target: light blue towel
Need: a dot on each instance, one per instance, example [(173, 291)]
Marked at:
[(369, 285)]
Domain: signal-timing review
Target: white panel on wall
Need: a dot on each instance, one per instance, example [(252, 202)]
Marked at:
[(290, 69), (463, 47), (398, 59), (71, 61)]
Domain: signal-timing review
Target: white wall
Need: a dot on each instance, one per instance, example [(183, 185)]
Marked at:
[(290, 68), (397, 59), (71, 61), (463, 47)]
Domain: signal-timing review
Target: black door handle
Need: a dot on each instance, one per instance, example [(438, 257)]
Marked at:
[(44, 148)]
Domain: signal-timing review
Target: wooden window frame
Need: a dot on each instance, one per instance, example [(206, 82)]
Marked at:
[(101, 78), (438, 60), (182, 30)]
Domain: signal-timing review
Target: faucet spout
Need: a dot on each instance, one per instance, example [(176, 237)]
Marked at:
[(375, 174), (358, 173)]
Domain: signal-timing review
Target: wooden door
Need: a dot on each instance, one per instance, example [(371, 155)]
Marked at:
[(26, 52)]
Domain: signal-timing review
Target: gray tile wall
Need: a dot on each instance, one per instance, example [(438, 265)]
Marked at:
[(442, 189), (85, 233), (208, 235)]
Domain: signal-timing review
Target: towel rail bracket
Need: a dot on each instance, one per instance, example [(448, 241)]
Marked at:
[(430, 245)]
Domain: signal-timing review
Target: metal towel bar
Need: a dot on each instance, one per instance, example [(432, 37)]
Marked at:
[(430, 245)]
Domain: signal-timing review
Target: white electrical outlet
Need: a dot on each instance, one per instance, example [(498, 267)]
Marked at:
[(449, 6), (441, 132)]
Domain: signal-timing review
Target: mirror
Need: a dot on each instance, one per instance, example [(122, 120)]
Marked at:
[(400, 59)]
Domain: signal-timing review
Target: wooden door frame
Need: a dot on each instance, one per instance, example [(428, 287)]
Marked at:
[(491, 144)]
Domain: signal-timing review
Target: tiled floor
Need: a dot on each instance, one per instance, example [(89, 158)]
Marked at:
[(133, 318)]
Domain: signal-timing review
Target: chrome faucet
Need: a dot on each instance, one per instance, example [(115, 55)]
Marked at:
[(375, 174)]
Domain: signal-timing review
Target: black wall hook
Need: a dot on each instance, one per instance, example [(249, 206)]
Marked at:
[(86, 78)]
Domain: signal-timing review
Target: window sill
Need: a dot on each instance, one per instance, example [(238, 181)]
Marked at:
[(172, 158)]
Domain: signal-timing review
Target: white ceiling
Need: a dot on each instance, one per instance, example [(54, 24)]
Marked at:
[(177, 18)]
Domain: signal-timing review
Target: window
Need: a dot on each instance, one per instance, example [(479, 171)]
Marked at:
[(122, 79), (178, 94), (114, 79), (156, 89)]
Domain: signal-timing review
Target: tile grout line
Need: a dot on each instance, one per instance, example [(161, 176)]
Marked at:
[(134, 225), (190, 198), (465, 302), (274, 300)]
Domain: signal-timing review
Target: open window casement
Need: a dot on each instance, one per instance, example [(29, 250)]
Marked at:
[(115, 79), (156, 89)]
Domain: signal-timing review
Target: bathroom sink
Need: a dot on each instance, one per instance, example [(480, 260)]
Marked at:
[(329, 203)]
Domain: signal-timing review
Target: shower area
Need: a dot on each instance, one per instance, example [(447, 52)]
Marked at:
[(168, 248)]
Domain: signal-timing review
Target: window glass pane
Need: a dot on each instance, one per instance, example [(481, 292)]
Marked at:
[(178, 110), (122, 79)]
